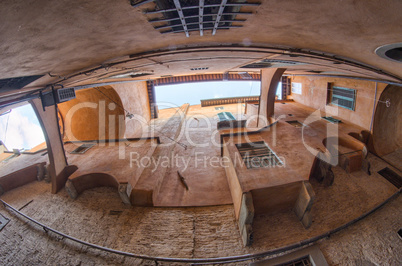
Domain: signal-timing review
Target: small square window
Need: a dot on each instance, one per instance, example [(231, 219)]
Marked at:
[(304, 261), (343, 97), (295, 123), (226, 116), (391, 176), (331, 119), (258, 155), (82, 149), (219, 108)]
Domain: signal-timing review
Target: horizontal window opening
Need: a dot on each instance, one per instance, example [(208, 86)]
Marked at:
[(226, 116), (304, 261), (391, 176), (343, 97), (82, 149), (295, 123), (258, 155), (331, 119)]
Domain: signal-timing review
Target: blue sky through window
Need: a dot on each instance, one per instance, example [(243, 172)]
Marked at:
[(168, 96), (20, 129)]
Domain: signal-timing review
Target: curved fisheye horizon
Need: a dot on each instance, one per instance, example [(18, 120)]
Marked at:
[(200, 132)]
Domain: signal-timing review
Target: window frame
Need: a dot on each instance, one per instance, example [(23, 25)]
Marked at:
[(264, 160), (330, 96), (226, 116)]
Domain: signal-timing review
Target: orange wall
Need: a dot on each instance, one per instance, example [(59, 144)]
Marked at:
[(314, 94), (83, 117)]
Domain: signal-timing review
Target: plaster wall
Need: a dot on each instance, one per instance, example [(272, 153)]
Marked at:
[(21, 162), (276, 188), (314, 94), (119, 160), (199, 162), (387, 126), (205, 232), (269, 83), (252, 113), (233, 181), (119, 29), (93, 115), (197, 158), (49, 123), (134, 96)]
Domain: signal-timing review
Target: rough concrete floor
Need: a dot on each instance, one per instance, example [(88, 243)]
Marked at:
[(98, 216)]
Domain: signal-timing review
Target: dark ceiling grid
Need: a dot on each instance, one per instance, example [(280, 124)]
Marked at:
[(196, 15), (201, 17)]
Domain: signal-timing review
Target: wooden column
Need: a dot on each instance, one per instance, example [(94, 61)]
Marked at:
[(269, 83)]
